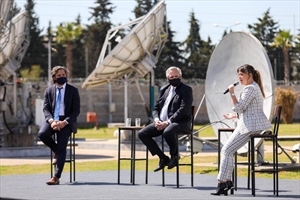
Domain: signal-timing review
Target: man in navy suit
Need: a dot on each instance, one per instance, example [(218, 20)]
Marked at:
[(171, 114), (60, 118)]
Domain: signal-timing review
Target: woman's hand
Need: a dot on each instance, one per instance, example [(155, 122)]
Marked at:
[(230, 116), (231, 89)]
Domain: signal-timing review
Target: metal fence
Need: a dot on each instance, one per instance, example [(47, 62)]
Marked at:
[(194, 81)]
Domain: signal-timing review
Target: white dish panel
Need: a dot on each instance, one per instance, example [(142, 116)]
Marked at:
[(13, 53), (5, 8), (17, 35), (127, 56), (234, 50)]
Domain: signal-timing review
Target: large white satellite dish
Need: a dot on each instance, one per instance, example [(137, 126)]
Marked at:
[(133, 55), (234, 50), (5, 10), (13, 53)]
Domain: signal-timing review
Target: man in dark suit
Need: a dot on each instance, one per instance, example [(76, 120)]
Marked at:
[(61, 108), (171, 114)]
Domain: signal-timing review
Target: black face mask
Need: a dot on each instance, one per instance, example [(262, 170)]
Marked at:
[(175, 82), (61, 80)]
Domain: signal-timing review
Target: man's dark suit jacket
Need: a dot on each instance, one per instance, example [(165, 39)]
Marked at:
[(71, 102), (179, 109)]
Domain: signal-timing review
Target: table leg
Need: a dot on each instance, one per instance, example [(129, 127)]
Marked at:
[(133, 163), (219, 147), (146, 165), (119, 145), (131, 159)]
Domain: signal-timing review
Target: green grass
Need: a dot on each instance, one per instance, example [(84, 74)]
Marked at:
[(100, 133), (112, 165), (206, 131), (105, 133), (284, 130)]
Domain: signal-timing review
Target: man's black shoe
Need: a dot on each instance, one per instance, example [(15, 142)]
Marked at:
[(173, 162), (162, 163)]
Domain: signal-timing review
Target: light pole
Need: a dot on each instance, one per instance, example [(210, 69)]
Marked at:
[(49, 62), (48, 44), (226, 27)]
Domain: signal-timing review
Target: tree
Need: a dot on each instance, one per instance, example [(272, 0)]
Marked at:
[(265, 30), (198, 51), (34, 72), (284, 40), (79, 54), (96, 33), (66, 34), (296, 58), (57, 58), (206, 51), (15, 10), (102, 12), (36, 53), (143, 7), (171, 55)]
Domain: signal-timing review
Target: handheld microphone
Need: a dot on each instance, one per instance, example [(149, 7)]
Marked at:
[(235, 84)]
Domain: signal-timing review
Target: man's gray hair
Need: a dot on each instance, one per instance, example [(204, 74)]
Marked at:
[(172, 68)]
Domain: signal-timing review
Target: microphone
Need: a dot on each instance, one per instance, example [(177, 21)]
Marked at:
[(235, 84)]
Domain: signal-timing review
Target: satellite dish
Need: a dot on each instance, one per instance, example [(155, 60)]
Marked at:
[(5, 11), (233, 51), (13, 53), (133, 55)]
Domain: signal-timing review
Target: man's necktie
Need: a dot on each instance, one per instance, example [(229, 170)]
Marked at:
[(57, 105)]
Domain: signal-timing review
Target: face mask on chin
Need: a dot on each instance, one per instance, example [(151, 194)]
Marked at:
[(175, 82), (61, 80)]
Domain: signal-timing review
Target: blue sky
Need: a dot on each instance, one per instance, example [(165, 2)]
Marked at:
[(223, 13)]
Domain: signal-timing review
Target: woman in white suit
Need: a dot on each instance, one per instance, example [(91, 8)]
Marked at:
[(251, 119)]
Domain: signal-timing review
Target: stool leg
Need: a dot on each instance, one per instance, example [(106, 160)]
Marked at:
[(253, 166), (74, 156), (163, 170), (249, 165), (71, 158), (234, 174), (51, 166), (276, 160), (192, 161), (177, 167)]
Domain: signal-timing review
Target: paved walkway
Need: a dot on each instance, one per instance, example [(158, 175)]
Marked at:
[(84, 155), (103, 184)]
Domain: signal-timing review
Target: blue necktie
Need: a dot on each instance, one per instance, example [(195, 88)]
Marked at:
[(57, 105)]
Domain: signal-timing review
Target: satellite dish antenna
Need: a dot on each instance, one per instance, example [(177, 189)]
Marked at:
[(14, 51), (234, 50), (133, 55), (5, 11)]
